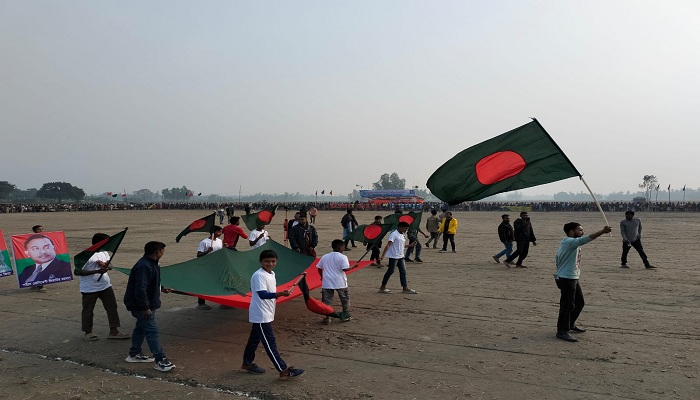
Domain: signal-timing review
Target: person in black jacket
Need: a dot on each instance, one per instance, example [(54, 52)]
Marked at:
[(142, 298), (524, 235), (303, 237), (505, 235)]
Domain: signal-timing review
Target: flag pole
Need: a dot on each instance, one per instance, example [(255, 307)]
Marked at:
[(596, 203), (301, 276)]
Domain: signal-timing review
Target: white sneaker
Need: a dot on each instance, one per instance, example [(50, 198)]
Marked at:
[(139, 358)]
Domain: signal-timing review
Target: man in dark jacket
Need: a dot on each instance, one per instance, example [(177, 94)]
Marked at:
[(524, 235), (142, 298), (505, 235), (303, 237)]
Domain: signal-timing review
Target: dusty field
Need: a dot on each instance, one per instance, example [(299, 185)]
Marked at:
[(475, 330)]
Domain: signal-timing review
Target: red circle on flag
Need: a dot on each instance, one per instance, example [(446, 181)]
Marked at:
[(406, 218), (197, 224), (265, 216), (499, 166), (372, 231)]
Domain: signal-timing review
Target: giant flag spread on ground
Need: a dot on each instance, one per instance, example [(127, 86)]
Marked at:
[(523, 157), (5, 263), (109, 245), (263, 217), (204, 224), (223, 276)]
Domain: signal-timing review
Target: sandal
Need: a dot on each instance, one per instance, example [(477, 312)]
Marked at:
[(90, 337), (409, 291), (384, 291), (119, 335)]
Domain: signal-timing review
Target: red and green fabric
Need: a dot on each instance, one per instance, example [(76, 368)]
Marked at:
[(110, 245), (317, 306), (5, 263), (523, 157), (204, 224), (223, 276), (369, 233), (263, 217), (412, 218)]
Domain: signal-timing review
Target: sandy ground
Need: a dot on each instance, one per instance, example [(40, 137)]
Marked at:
[(475, 330)]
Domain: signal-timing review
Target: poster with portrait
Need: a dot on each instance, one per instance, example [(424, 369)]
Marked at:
[(5, 263), (41, 259)]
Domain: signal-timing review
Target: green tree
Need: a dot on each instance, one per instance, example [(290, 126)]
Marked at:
[(649, 183), (6, 189), (176, 194), (60, 191), (389, 182)]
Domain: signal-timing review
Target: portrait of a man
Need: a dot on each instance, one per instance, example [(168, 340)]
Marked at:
[(41, 265)]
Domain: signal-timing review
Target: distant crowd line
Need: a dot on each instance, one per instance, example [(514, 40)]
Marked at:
[(241, 207)]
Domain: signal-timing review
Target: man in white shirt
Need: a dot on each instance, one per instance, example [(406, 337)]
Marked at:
[(261, 313), (332, 267), (95, 284), (206, 246), (395, 249), (258, 237)]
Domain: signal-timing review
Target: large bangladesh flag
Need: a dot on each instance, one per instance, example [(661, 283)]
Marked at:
[(204, 224), (524, 157), (263, 217)]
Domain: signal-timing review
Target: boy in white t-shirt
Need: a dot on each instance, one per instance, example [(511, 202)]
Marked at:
[(206, 246), (395, 249), (258, 237), (261, 313), (332, 267), (95, 284)]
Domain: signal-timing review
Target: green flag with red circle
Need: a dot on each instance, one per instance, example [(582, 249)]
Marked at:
[(412, 218), (204, 224), (372, 233), (523, 157), (263, 217)]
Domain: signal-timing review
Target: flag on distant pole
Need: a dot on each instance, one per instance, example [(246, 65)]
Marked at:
[(684, 188), (115, 195), (108, 194), (323, 191), (669, 188), (331, 193), (523, 157), (204, 224)]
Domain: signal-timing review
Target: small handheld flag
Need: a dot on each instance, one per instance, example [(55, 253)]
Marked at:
[(204, 224)]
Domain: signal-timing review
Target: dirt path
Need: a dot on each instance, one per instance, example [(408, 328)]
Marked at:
[(475, 330)]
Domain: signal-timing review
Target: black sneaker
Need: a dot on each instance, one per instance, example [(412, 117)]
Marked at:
[(577, 329), (624, 266), (418, 259), (164, 365), (407, 259), (252, 368), (291, 373), (649, 266), (566, 336)]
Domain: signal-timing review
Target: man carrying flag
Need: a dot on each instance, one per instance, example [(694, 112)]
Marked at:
[(91, 266)]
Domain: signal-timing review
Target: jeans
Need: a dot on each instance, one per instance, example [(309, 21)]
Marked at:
[(521, 251), (570, 303), (145, 328), (507, 251), (393, 262), (375, 247), (262, 333), (347, 232), (343, 295), (637, 244), (433, 238), (448, 237), (417, 247), (109, 302)]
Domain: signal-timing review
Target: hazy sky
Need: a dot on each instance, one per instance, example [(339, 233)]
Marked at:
[(299, 96)]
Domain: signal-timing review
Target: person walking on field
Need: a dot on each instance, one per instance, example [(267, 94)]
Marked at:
[(448, 228), (568, 262), (432, 224), (333, 268), (524, 235), (505, 234), (631, 231), (349, 224), (395, 249)]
